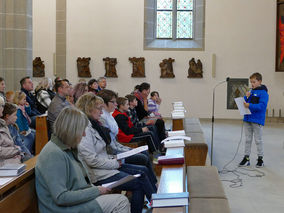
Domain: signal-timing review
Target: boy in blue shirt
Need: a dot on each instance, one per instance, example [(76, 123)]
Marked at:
[(256, 100)]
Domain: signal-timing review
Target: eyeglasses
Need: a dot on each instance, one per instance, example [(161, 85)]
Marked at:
[(99, 108), (114, 102)]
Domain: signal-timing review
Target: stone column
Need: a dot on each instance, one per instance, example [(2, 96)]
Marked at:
[(15, 41), (60, 65)]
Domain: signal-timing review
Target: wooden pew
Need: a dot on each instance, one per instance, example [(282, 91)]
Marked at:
[(172, 180), (19, 195), (41, 133), (178, 124), (134, 144)]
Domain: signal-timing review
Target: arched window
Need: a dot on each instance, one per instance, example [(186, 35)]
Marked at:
[(174, 24)]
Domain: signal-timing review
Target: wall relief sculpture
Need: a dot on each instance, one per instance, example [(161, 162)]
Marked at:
[(167, 68), (83, 67), (138, 69), (195, 69), (110, 67), (38, 67)]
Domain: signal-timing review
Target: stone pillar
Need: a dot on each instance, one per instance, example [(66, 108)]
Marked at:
[(60, 63), (15, 41)]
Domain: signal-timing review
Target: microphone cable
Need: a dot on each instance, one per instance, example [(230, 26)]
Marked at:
[(238, 171)]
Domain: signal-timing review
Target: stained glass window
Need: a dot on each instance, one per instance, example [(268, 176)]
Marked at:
[(174, 19), (164, 24), (184, 24), (164, 4), (184, 4)]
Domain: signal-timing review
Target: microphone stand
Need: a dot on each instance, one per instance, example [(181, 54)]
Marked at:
[(212, 130)]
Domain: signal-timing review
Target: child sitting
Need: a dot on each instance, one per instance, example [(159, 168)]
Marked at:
[(154, 103), (127, 132), (23, 120), (10, 116)]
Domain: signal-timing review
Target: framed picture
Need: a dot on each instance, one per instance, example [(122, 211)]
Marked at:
[(279, 62), (236, 87)]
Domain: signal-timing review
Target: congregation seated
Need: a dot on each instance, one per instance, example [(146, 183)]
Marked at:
[(24, 120), (44, 94), (128, 132), (27, 87), (102, 83), (142, 109), (93, 86), (58, 102), (10, 117), (79, 90), (154, 103), (2, 88), (107, 120), (104, 168), (62, 183), (9, 152)]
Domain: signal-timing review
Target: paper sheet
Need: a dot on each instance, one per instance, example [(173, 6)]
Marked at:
[(176, 138), (240, 103), (132, 152), (3, 181)]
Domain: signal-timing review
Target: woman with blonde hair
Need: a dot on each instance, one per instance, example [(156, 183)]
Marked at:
[(104, 168), (62, 183)]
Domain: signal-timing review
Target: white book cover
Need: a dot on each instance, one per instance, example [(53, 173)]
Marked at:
[(178, 137), (177, 115), (174, 143), (131, 152), (175, 133)]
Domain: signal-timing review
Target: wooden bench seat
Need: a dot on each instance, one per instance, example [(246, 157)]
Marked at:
[(19, 195), (204, 182), (209, 205), (172, 180), (195, 150), (206, 193), (41, 133)]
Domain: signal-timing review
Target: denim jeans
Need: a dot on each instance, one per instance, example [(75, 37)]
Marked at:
[(151, 139), (143, 159), (139, 186), (29, 141)]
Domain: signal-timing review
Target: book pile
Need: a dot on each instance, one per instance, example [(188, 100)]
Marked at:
[(175, 139), (170, 199), (178, 110), (12, 169)]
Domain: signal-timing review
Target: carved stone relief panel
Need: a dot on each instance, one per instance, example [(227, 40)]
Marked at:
[(195, 69), (38, 67), (138, 69), (110, 67), (167, 68), (83, 67)]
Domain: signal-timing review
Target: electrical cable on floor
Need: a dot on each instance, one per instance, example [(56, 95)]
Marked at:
[(238, 181)]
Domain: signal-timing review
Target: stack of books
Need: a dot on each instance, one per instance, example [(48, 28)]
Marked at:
[(12, 170), (170, 199), (178, 110)]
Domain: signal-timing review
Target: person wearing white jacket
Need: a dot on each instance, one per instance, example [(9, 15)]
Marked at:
[(103, 168)]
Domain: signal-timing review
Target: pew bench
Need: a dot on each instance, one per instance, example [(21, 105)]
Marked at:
[(41, 137), (134, 144), (172, 180), (19, 195), (196, 149), (206, 193)]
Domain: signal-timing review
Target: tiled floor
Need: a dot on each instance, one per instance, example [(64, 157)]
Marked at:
[(257, 194)]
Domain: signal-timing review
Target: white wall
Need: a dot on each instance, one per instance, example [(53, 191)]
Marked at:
[(241, 33), (44, 14)]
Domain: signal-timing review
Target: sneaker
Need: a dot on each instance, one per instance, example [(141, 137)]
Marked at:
[(259, 162), (245, 161)]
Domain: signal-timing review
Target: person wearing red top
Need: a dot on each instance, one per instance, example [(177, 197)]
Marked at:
[(127, 132)]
